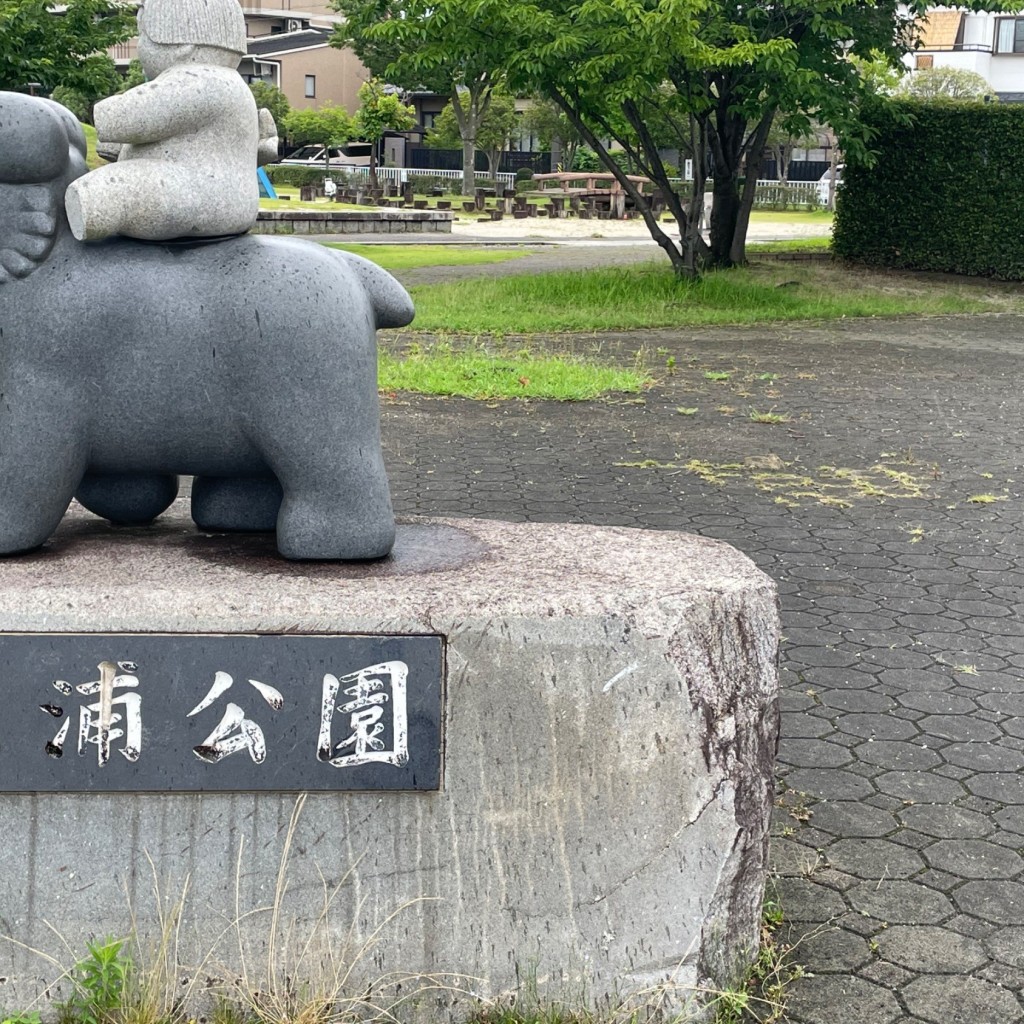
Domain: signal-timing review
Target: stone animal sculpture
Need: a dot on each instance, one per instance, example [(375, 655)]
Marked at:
[(248, 362)]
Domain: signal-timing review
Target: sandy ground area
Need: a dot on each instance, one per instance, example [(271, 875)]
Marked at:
[(574, 230)]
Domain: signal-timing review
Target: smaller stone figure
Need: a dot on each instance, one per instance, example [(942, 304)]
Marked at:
[(189, 136)]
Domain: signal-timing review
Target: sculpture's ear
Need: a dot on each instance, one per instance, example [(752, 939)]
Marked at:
[(42, 148)]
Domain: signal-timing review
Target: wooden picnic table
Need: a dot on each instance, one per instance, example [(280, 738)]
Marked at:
[(601, 188)]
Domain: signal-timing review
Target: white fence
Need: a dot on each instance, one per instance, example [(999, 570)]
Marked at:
[(400, 175)]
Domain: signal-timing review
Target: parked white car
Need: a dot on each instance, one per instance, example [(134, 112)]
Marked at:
[(824, 181), (353, 154)]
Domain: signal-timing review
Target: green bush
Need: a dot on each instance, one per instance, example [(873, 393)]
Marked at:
[(75, 101), (944, 193), (524, 174), (424, 183), (296, 177)]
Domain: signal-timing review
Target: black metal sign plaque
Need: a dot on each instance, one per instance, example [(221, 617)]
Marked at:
[(121, 712)]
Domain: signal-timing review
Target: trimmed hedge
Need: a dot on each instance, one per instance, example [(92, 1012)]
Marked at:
[(296, 177), (946, 193)]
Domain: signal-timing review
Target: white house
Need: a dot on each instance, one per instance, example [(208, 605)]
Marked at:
[(990, 44)]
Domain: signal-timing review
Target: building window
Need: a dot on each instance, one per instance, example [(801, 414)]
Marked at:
[(310, 87), (428, 120), (923, 61), (1010, 35)]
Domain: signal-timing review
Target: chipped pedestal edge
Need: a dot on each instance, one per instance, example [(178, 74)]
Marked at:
[(610, 725)]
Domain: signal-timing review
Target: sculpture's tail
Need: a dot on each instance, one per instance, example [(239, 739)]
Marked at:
[(391, 301)]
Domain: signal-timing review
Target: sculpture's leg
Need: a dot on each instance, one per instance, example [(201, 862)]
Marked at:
[(130, 499), (235, 503), (42, 460), (337, 504)]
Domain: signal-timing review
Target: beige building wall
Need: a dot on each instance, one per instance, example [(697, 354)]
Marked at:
[(338, 74)]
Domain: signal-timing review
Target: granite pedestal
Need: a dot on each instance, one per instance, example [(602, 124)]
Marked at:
[(600, 831)]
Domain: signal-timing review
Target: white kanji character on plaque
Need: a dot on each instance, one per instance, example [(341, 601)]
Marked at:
[(235, 731), (109, 719), (377, 717)]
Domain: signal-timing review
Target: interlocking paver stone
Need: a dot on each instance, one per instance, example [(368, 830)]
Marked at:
[(974, 858), (833, 949), (816, 1001), (1007, 945), (921, 787), (999, 902), (926, 948), (942, 1000), (903, 674), (848, 818), (873, 858), (945, 820)]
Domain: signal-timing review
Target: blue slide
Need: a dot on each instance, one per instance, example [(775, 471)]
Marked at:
[(266, 188)]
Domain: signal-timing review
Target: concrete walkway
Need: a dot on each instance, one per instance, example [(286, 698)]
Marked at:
[(889, 509)]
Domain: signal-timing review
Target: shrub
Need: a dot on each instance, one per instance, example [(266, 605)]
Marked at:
[(296, 177), (944, 193), (425, 183), (586, 160), (524, 174), (75, 101)]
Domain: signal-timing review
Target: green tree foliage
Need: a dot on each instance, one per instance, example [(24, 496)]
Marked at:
[(381, 110), (66, 48), (943, 193), (416, 44), (497, 127), (74, 101), (946, 85), (711, 74), (553, 130), (269, 97), (328, 126), (135, 76)]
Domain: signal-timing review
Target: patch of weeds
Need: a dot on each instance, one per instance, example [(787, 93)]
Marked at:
[(966, 670), (21, 1018), (646, 464), (770, 417), (717, 375), (916, 533), (100, 984), (687, 412), (985, 499), (831, 486), (762, 994)]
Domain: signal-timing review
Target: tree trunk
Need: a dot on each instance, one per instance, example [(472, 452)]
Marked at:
[(373, 167), (755, 153), (725, 210), (641, 202), (468, 165)]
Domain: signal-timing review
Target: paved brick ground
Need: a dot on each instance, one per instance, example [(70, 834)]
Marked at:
[(900, 826)]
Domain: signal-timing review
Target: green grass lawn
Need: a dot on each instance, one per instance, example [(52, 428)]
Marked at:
[(477, 371), (648, 295), (408, 257), (822, 217), (91, 158), (819, 243)]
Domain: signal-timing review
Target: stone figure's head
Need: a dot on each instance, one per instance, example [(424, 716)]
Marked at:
[(190, 32), (42, 150)]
